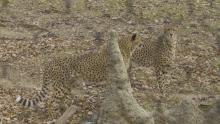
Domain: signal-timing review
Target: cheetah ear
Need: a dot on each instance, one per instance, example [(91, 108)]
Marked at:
[(133, 38)]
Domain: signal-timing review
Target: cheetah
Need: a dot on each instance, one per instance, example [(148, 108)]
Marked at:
[(61, 72), (159, 53)]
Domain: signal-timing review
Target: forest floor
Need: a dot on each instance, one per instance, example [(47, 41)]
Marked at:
[(33, 32)]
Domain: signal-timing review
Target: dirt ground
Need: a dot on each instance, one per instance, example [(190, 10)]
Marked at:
[(33, 32)]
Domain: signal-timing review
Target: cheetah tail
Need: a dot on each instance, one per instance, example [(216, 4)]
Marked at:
[(31, 103)]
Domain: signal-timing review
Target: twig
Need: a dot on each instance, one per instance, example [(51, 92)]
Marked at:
[(66, 115)]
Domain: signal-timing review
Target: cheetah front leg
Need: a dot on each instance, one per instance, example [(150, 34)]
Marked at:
[(163, 79)]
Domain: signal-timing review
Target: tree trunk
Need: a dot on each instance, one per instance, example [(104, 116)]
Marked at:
[(191, 8), (213, 116), (67, 4), (4, 3), (119, 105), (4, 70), (218, 42), (129, 5)]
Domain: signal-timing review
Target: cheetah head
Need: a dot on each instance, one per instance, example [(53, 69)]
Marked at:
[(128, 44), (169, 37)]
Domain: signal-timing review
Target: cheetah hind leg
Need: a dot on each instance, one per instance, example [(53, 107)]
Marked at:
[(62, 100), (51, 109), (56, 104)]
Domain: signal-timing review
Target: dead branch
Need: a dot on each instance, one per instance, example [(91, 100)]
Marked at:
[(67, 115)]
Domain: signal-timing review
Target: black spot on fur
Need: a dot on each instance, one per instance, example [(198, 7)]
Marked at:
[(34, 103), (24, 102), (29, 103), (133, 37)]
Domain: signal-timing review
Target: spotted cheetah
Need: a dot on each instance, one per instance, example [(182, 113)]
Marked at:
[(159, 53), (61, 72)]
